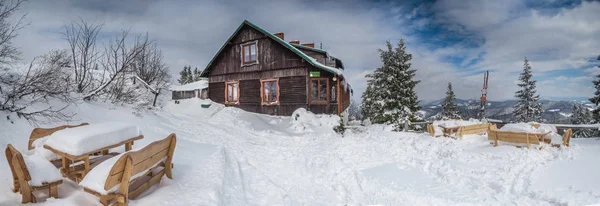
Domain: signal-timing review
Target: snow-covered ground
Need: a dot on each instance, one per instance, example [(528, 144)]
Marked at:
[(225, 156)]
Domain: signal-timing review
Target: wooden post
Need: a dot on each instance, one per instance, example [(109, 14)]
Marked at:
[(86, 166), (65, 166), (338, 97), (122, 198), (155, 97), (26, 193), (128, 146), (406, 124), (528, 144), (169, 162), (53, 191), (495, 138)]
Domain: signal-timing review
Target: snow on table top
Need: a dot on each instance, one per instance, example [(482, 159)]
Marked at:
[(84, 139), (41, 170), (96, 178)]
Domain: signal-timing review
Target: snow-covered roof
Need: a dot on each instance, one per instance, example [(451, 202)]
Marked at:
[(201, 84)]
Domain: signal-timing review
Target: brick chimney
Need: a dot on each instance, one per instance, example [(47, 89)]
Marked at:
[(280, 35), (311, 45), (295, 42)]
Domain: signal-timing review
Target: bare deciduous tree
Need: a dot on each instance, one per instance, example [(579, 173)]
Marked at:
[(29, 93), (150, 68), (118, 62), (81, 37), (9, 30)]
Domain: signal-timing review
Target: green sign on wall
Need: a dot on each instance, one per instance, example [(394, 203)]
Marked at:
[(315, 74)]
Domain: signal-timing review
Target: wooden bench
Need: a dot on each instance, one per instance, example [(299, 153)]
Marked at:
[(566, 138), (22, 176), (132, 173), (473, 129), (43, 132), (515, 137)]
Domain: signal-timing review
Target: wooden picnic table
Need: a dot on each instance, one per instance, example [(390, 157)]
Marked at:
[(75, 165)]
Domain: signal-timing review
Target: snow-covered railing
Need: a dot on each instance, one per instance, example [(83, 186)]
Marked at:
[(595, 126)]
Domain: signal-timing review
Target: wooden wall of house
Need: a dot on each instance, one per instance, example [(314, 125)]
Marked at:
[(183, 94), (271, 55), (292, 95), (274, 61), (202, 94)]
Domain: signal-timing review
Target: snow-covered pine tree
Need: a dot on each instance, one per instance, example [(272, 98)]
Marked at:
[(528, 108), (390, 97), (184, 76), (197, 74), (190, 75), (596, 99), (370, 105), (581, 115), (449, 107)]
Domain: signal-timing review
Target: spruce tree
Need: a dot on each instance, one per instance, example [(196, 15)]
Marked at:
[(190, 75), (184, 76), (596, 99), (390, 96), (197, 74), (527, 108), (449, 107), (581, 115)]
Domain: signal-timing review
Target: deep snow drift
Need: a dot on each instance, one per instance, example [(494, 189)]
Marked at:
[(225, 156)]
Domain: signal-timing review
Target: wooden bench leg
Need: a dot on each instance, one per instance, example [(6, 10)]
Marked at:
[(104, 200), (128, 146), (16, 185), (53, 191)]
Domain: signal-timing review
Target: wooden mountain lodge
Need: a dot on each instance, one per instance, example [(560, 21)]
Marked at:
[(260, 72)]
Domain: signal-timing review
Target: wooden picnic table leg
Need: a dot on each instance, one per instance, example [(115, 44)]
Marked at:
[(86, 166), (65, 166), (128, 146), (53, 191)]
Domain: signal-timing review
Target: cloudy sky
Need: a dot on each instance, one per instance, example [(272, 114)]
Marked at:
[(451, 40)]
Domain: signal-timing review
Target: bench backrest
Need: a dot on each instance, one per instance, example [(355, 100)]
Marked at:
[(513, 137), (474, 129), (140, 160), (43, 132), (13, 155)]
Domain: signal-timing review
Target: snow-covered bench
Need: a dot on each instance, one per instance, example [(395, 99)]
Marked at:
[(515, 137), (79, 143), (30, 173), (129, 174)]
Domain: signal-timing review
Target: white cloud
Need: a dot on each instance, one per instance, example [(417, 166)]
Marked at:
[(191, 32)]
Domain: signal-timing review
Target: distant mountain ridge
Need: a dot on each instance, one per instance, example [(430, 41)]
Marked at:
[(554, 110)]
